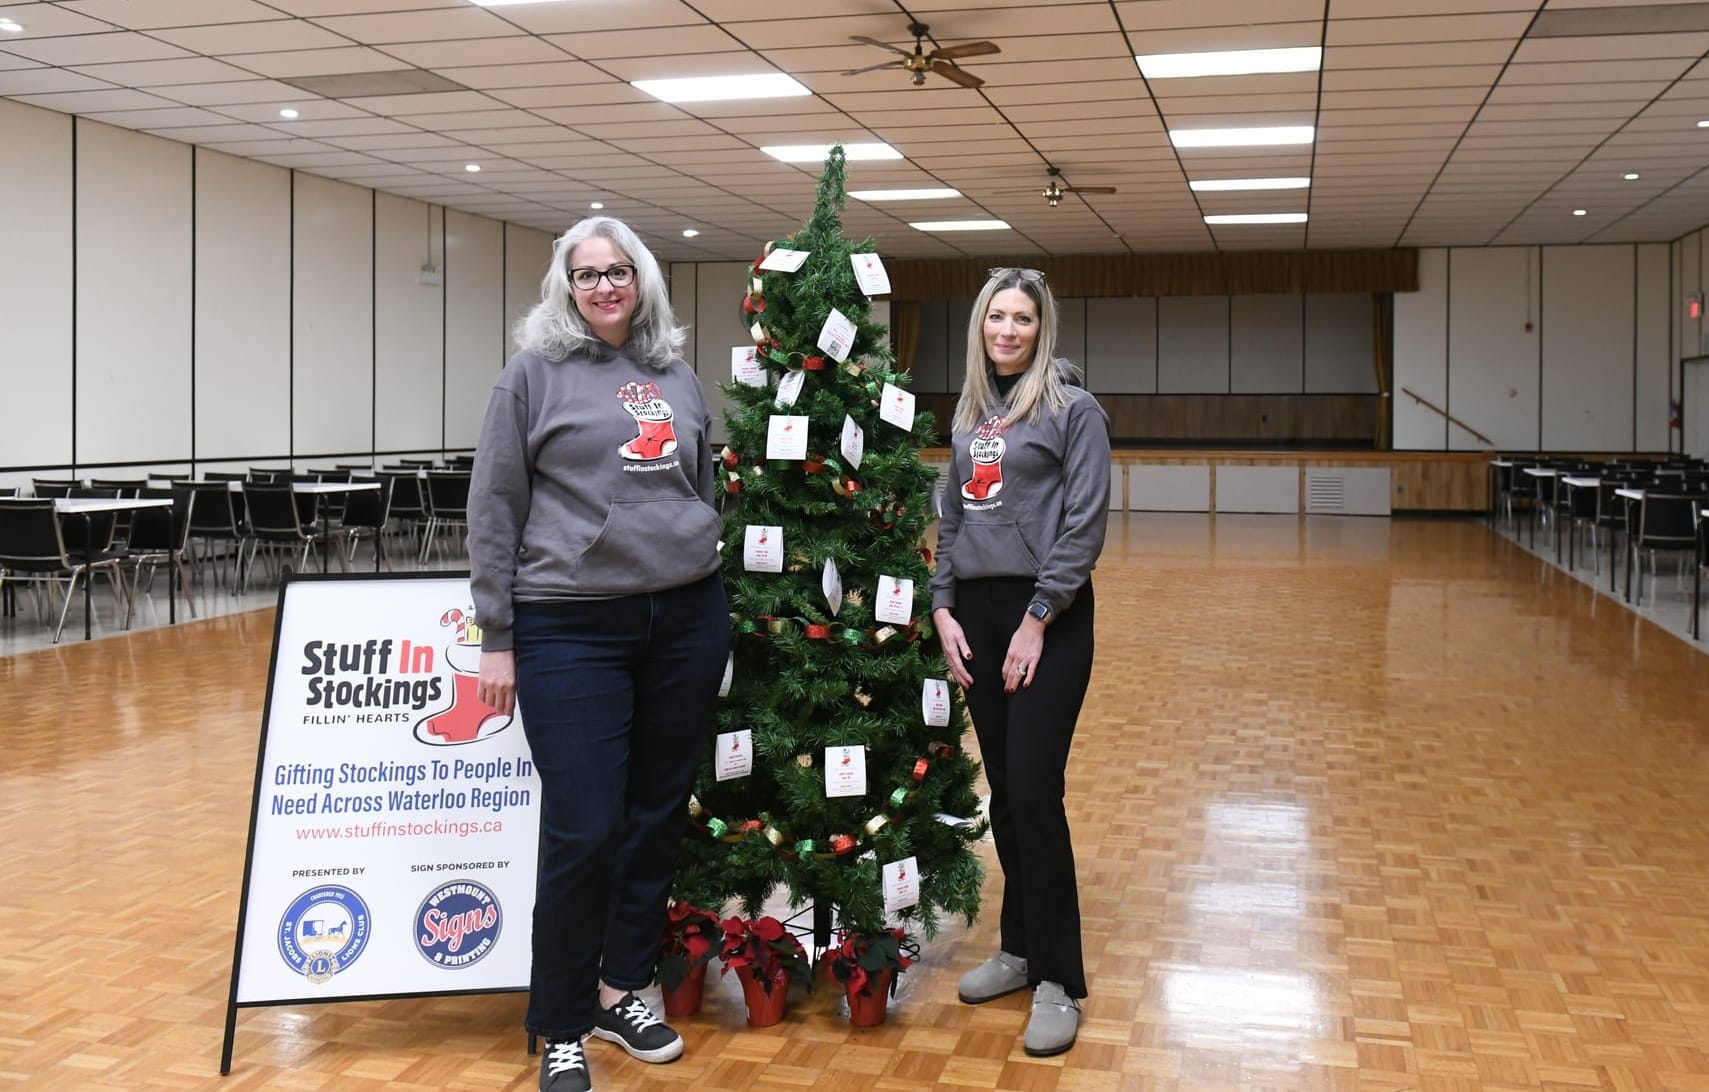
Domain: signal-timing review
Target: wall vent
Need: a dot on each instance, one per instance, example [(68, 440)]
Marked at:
[(1326, 493)]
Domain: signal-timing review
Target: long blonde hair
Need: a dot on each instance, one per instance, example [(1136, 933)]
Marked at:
[(555, 329), (1042, 389)]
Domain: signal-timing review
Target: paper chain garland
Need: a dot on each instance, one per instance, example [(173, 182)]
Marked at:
[(837, 845)]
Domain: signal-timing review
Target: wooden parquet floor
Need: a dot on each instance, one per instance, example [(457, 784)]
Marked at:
[(1357, 805)]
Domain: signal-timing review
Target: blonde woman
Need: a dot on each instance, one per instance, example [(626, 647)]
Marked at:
[(1024, 514)]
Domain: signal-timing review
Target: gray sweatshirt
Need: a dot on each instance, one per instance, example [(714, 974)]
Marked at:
[(1027, 499), (592, 479)]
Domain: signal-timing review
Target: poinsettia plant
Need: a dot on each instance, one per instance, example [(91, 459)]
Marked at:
[(859, 958), (692, 937), (767, 949)]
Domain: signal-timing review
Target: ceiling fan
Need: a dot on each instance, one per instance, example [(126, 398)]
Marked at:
[(1054, 191), (920, 62)]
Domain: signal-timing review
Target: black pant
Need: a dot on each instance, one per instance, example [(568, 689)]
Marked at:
[(1024, 739), (616, 698)]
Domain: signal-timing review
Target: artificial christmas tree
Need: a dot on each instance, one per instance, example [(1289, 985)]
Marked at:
[(844, 780)]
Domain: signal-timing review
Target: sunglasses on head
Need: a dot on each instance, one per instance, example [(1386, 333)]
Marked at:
[(1033, 275)]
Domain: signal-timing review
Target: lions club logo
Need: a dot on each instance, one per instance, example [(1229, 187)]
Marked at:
[(323, 932), (458, 924), (468, 719)]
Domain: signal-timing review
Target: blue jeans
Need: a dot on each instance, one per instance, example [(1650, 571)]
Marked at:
[(616, 698)]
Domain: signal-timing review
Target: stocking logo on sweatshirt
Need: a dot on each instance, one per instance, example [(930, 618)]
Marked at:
[(656, 436), (986, 451)]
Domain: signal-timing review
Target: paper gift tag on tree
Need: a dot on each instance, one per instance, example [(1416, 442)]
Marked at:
[(789, 389), (735, 754), (784, 261), (934, 702), (745, 367), (870, 274), (832, 582), (854, 441), (837, 336), (845, 771), (896, 406), (901, 885), (786, 438), (895, 600), (729, 675), (762, 552)]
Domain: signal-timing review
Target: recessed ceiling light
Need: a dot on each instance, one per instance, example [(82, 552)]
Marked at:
[(1229, 62), (765, 85), (689, 233), (814, 153), (1630, 176), (1578, 212), (472, 168), (11, 26), (960, 225), (903, 195), (1259, 218), (1241, 138), (1204, 184), (289, 114), (596, 205)]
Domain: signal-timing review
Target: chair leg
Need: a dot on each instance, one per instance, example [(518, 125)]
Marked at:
[(70, 593)]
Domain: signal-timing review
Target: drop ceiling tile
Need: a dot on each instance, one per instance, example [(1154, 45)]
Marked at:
[(446, 55), (451, 24), (85, 49), (151, 14), (290, 64), (236, 92), (149, 74), (51, 21), (85, 102), (270, 37), (702, 38), (42, 81)]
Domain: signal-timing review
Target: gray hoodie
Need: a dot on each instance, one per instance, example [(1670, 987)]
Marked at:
[(592, 479), (1027, 499)]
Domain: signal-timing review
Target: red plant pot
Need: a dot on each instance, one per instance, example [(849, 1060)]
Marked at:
[(685, 999), (866, 1009), (764, 1009)]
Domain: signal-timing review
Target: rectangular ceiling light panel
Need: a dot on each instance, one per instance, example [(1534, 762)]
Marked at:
[(1229, 62)]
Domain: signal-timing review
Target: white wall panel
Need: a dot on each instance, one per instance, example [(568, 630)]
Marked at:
[(1338, 348), (475, 338), (527, 253), (332, 375), (133, 296), (716, 317), (1266, 344), (1589, 341), (1421, 355), (35, 286), (1656, 309), (1192, 345), (1121, 345), (243, 309), (409, 325), (1493, 385), (1071, 333)]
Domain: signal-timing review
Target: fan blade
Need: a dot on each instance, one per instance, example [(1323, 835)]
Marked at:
[(879, 44), (967, 49), (873, 68), (1088, 189), (957, 75)]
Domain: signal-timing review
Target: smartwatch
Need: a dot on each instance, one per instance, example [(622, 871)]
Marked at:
[(1040, 611)]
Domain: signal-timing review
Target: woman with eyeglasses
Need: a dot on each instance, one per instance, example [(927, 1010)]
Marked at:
[(1024, 513), (593, 540)]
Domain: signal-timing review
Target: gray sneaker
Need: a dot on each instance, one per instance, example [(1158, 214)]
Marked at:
[(998, 976), (1055, 1019)]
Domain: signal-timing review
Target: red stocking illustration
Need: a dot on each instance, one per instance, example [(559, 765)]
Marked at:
[(655, 430), (987, 454)]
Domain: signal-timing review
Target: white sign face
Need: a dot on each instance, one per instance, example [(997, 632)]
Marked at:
[(789, 389), (837, 336), (934, 702), (901, 885), (735, 751), (854, 442), (784, 261), (397, 817), (895, 600), (832, 583), (845, 771), (870, 274), (745, 367), (896, 406), (786, 438), (762, 551)]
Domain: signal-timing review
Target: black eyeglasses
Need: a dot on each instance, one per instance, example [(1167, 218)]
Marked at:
[(1034, 275), (587, 278)]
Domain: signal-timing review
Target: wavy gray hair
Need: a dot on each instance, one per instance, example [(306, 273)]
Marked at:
[(554, 328), (1041, 389)]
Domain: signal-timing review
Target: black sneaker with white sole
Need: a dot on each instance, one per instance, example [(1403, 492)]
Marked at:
[(631, 1025), (563, 1068)]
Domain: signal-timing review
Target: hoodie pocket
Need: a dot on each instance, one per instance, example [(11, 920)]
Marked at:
[(993, 549), (647, 545)]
